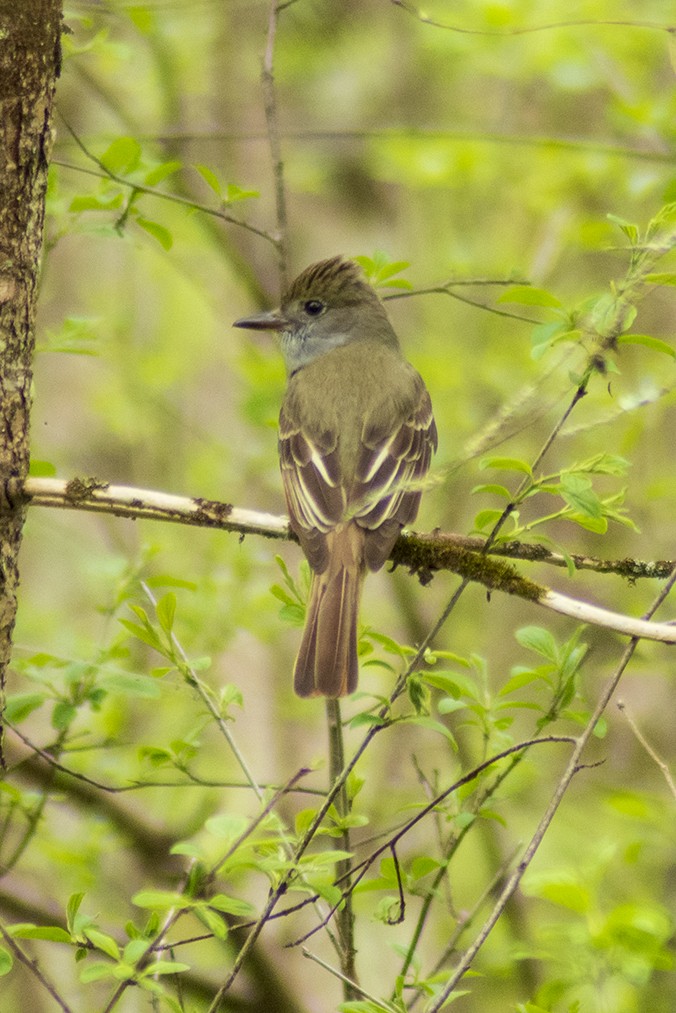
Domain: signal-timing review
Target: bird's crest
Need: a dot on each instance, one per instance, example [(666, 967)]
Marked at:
[(337, 279)]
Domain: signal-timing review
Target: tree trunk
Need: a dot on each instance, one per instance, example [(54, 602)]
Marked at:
[(29, 66)]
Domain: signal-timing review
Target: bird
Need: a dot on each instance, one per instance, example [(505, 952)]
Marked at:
[(356, 438)]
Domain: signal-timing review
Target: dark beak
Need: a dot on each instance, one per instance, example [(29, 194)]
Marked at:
[(272, 321)]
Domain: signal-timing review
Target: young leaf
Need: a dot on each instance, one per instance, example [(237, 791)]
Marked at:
[(157, 231), (6, 961), (506, 464), (123, 156), (649, 342)]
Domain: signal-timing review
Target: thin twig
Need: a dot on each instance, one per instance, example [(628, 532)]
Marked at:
[(105, 173), (357, 989), (118, 789), (34, 968), (652, 753), (196, 683), (345, 917), (271, 118), (529, 29)]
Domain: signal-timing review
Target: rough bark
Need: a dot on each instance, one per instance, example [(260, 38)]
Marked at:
[(29, 66)]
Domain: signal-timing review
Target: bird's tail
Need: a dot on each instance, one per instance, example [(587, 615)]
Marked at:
[(327, 662)]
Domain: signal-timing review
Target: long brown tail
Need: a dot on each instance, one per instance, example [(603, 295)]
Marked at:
[(327, 662)]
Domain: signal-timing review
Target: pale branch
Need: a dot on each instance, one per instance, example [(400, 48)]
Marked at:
[(423, 554)]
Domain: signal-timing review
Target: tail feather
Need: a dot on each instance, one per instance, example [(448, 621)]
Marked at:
[(327, 663)]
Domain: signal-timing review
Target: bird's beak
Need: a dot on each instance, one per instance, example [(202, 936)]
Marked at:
[(272, 321)]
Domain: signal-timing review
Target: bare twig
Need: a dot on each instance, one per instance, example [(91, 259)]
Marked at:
[(528, 30), (652, 753), (34, 968), (271, 118), (358, 990), (345, 917)]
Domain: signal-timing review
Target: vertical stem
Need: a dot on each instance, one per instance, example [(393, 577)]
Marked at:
[(345, 916), (29, 67), (270, 101)]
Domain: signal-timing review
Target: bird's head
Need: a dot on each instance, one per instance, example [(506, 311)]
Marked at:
[(328, 305)]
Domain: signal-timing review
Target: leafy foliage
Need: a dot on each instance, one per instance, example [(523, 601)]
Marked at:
[(166, 797)]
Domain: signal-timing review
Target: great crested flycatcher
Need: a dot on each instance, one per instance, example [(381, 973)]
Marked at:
[(356, 435)]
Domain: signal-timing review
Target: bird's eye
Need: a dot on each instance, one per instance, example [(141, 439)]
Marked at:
[(313, 307)]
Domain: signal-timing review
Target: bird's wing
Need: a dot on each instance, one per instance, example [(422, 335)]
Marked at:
[(391, 466), (393, 458), (312, 481)]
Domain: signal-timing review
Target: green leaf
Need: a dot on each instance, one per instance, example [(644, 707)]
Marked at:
[(436, 726), (130, 684), (216, 924), (20, 705), (168, 580), (77, 335), (564, 891), (142, 16), (519, 680), (102, 941), (380, 270), (144, 633), (506, 464), (63, 715), (528, 295), (52, 932), (6, 961), (577, 492), (540, 640), (166, 610), (599, 525), (630, 230), (211, 179), (649, 342), (135, 949), (161, 172), (449, 704), (603, 464), (486, 519), (157, 231), (231, 905), (123, 156), (160, 899), (96, 971), (498, 490), (667, 278), (229, 826), (165, 967), (74, 902), (235, 193), (41, 469), (88, 202)]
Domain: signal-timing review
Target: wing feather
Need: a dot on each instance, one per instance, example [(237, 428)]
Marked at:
[(385, 492)]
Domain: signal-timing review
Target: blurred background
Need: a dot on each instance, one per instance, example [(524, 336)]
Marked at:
[(474, 152)]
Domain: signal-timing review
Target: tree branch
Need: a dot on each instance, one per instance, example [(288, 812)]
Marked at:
[(422, 554)]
